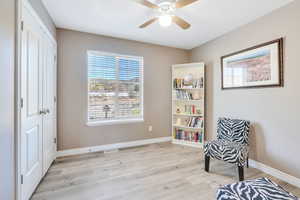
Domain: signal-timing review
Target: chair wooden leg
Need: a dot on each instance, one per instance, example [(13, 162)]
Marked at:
[(247, 162), (241, 173), (207, 163)]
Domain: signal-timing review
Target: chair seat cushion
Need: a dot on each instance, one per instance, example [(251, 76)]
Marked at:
[(230, 152), (259, 189)]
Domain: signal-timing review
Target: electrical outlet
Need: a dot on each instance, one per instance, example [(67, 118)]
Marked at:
[(150, 128)]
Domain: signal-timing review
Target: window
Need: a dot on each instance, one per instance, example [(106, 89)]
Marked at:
[(115, 88)]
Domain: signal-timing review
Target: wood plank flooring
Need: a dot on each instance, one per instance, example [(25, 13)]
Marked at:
[(158, 171)]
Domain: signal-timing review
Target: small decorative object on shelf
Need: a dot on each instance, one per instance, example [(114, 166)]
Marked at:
[(188, 79), (178, 121), (188, 105)]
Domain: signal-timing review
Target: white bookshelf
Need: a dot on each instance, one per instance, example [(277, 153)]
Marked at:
[(188, 104)]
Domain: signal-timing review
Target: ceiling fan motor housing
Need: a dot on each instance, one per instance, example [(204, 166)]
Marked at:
[(166, 7), (166, 12)]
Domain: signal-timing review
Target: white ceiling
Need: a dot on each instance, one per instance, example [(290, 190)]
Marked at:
[(121, 18)]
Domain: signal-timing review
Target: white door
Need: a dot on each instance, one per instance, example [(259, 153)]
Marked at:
[(31, 113), (49, 101)]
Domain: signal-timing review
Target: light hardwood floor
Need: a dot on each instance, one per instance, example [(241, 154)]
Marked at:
[(159, 171)]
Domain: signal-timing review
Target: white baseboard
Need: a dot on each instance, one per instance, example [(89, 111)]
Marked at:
[(275, 172), (108, 147)]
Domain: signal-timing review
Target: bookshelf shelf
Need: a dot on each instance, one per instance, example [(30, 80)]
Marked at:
[(187, 127), (188, 104), (190, 100), (188, 115), (188, 88)]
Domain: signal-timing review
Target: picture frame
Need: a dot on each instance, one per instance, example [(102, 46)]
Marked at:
[(254, 67)]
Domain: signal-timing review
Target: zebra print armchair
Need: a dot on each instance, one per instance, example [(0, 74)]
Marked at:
[(231, 145)]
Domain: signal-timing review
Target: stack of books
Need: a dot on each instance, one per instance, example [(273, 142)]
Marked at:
[(190, 109), (198, 83), (195, 122), (185, 95), (191, 122), (179, 83), (188, 135)]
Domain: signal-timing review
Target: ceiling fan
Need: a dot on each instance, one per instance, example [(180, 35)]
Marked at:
[(166, 10)]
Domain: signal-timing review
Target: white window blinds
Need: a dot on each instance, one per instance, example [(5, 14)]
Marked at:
[(115, 87)]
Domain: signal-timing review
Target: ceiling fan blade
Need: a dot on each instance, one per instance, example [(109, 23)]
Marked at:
[(146, 3), (180, 22), (182, 3), (148, 22)]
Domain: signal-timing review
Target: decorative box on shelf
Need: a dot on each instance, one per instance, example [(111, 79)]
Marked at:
[(188, 104)]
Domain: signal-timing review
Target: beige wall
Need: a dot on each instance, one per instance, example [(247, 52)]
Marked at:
[(7, 30), (274, 112), (72, 100)]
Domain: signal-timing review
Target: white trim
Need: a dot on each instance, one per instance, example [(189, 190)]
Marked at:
[(141, 84), (187, 143), (103, 53), (28, 6), (17, 185), (112, 146), (117, 121), (275, 172), (201, 64)]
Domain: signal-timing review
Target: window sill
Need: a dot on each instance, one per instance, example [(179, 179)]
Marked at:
[(113, 122)]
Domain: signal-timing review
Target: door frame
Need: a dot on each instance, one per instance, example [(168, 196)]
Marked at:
[(20, 5)]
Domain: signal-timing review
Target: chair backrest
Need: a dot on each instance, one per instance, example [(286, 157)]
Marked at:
[(233, 130)]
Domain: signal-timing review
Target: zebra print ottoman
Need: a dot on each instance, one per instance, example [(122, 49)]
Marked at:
[(259, 189)]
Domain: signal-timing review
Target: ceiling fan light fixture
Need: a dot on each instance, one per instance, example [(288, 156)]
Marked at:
[(165, 10), (165, 20)]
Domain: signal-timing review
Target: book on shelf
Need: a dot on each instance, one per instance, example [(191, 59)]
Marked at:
[(190, 136), (180, 83), (191, 109), (191, 122), (186, 95), (196, 122)]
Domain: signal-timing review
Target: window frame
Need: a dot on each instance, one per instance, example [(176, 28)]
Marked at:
[(126, 120)]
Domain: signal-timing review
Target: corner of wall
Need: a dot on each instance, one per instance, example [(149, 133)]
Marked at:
[(189, 54)]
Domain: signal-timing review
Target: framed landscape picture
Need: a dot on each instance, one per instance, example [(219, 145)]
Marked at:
[(259, 66)]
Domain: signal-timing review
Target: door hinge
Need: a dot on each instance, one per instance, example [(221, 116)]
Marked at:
[(22, 25), (55, 140), (55, 99), (21, 103), (22, 179)]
